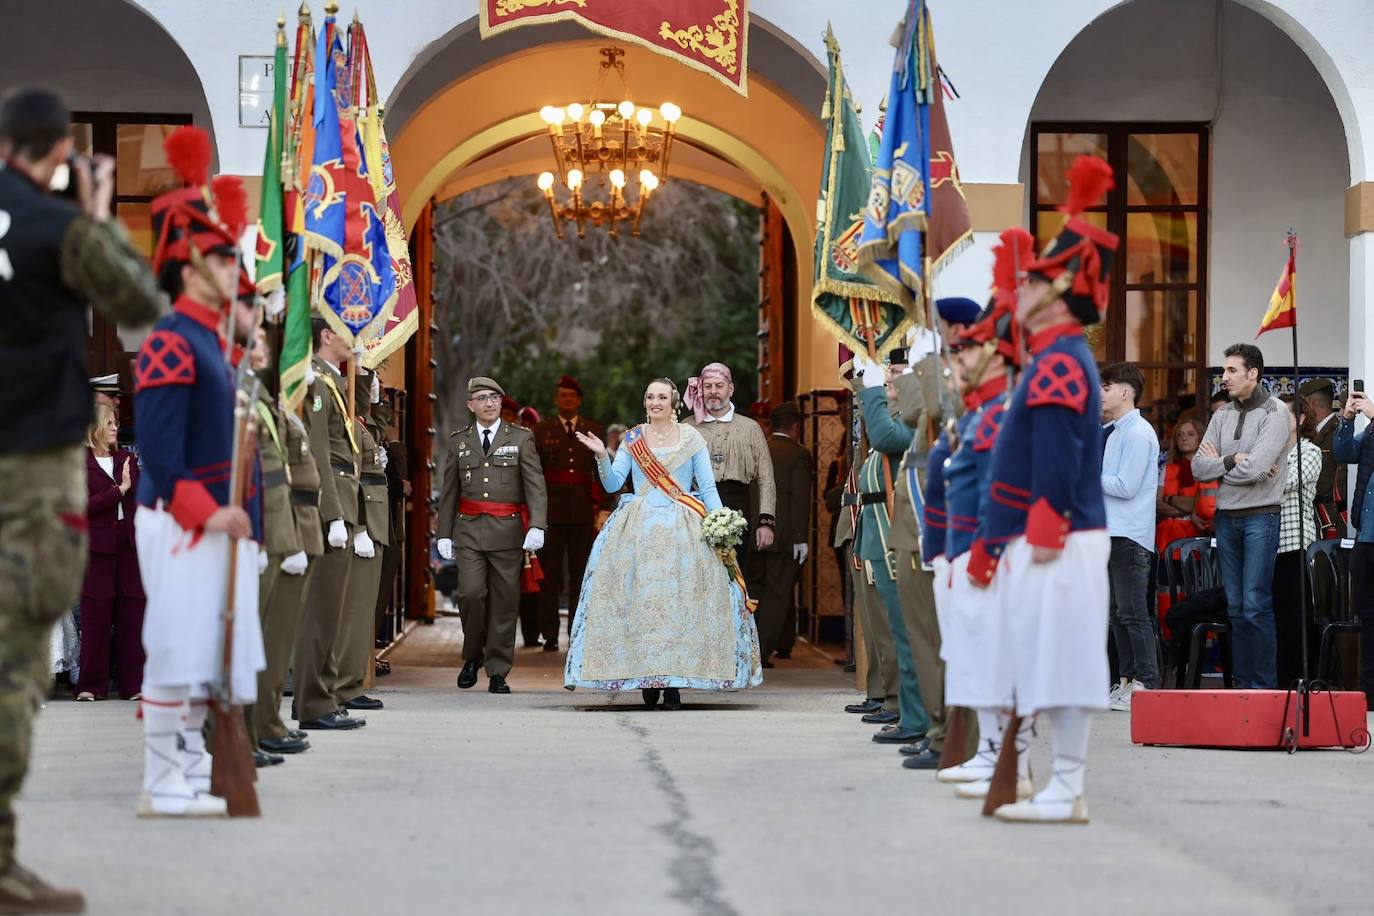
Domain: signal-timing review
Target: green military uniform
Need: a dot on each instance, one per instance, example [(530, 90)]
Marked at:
[(479, 510), (888, 438), (334, 441), (880, 657), (353, 646), (297, 524), (918, 399), (280, 537)]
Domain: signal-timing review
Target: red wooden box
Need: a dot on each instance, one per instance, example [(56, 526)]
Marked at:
[(1245, 718)]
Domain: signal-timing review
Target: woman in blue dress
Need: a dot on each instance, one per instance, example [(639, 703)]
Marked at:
[(659, 612)]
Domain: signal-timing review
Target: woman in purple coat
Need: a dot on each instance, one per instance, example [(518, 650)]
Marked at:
[(112, 594)]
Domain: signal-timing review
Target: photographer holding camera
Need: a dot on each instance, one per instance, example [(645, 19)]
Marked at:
[(56, 257)]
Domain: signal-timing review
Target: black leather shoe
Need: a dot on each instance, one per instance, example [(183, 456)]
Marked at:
[(334, 721), (296, 733), (363, 702), (896, 735), (911, 750), (769, 665), (497, 684), (783, 655), (882, 717), (468, 676), (926, 760), (263, 759), (869, 705), (286, 745), (672, 698), (551, 646)]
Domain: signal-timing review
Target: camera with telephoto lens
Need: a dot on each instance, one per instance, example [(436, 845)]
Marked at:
[(65, 183)]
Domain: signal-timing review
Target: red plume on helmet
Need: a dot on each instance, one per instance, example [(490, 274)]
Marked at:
[(1016, 249), (188, 153), (1078, 261), (231, 203)]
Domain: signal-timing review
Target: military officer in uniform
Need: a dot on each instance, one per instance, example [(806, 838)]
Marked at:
[(778, 566), (291, 575), (575, 499), (334, 440), (357, 631), (285, 555), (492, 509)]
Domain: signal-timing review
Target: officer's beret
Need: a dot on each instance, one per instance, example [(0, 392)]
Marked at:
[(482, 383), (958, 310), (1317, 385), (571, 384)]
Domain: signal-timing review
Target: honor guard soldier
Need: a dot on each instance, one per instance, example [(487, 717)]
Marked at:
[(295, 540), (1045, 526), (334, 440), (1319, 395), (983, 357), (491, 511), (184, 410), (357, 633), (54, 260), (575, 500), (888, 439)]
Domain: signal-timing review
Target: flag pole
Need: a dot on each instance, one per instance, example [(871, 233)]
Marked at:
[(1304, 685)]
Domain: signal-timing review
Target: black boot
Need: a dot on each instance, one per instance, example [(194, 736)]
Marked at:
[(650, 695), (672, 699)]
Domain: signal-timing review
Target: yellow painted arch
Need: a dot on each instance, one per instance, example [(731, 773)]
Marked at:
[(767, 136)]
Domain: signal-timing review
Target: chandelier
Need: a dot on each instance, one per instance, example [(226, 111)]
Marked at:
[(610, 157)]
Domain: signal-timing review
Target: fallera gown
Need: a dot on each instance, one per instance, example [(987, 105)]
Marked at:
[(658, 608)]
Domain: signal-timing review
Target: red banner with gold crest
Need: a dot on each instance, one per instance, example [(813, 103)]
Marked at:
[(706, 35)]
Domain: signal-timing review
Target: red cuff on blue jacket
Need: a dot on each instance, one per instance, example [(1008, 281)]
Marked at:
[(982, 566), (1046, 526), (191, 505)]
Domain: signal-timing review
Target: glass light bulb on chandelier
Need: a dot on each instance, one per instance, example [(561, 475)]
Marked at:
[(597, 117), (551, 114), (626, 109), (546, 181), (670, 112), (617, 178), (575, 112), (648, 180), (644, 116), (574, 179)]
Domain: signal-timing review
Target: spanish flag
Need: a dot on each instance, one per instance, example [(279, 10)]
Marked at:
[(1283, 305)]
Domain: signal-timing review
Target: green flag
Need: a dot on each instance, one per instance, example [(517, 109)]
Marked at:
[(269, 254), (295, 345), (858, 313)]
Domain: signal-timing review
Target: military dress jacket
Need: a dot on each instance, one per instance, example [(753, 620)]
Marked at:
[(574, 486), (509, 476), (280, 534), (305, 484), (792, 478), (334, 440), (376, 502)]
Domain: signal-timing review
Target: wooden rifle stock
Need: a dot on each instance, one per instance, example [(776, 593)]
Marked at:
[(1002, 790), (956, 736), (233, 770)]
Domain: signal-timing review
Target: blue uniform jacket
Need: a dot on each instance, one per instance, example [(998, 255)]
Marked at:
[(1047, 465), (184, 418), (935, 520), (968, 471)]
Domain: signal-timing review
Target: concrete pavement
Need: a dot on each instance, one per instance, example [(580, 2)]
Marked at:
[(761, 802)]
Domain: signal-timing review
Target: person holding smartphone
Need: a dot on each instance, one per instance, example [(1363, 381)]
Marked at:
[(56, 258), (1352, 447)]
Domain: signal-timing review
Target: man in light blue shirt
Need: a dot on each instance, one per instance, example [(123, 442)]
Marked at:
[(1130, 477)]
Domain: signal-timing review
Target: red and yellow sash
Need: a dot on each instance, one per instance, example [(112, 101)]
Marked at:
[(661, 478)]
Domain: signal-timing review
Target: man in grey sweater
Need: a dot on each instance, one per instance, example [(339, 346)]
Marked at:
[(1246, 449)]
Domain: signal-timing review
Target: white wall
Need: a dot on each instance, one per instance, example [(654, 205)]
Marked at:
[(1278, 154), (101, 55)]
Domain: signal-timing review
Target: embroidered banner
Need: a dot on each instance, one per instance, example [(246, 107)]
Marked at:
[(706, 35)]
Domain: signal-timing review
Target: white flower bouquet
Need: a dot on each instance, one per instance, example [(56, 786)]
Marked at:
[(724, 529)]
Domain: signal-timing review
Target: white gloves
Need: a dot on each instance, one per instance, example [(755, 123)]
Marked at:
[(262, 561), (309, 374), (276, 302), (295, 564), (534, 539), (376, 389), (338, 534), (869, 373), (445, 549), (382, 458), (921, 342), (362, 545), (799, 552)]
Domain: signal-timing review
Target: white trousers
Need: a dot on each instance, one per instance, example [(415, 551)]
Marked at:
[(183, 623), (975, 642)]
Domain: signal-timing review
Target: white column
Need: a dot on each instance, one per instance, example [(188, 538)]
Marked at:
[(1361, 306)]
